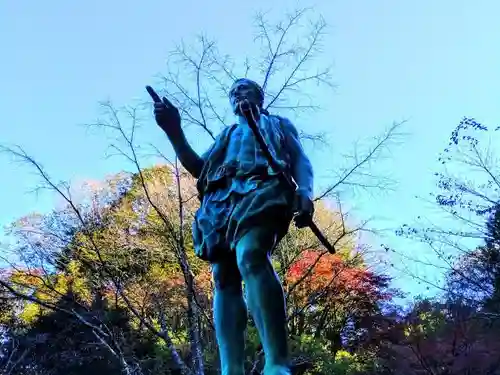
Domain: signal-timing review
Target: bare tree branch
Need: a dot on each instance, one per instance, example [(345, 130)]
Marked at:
[(362, 161)]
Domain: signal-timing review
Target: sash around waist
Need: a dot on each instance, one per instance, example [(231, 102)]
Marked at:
[(230, 178), (229, 171)]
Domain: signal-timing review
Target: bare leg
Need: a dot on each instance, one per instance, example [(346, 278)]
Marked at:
[(264, 297), (230, 316)]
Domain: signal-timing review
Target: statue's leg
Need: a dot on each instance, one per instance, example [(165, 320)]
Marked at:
[(230, 316), (265, 296)]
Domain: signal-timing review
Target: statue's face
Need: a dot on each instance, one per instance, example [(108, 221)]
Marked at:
[(244, 89)]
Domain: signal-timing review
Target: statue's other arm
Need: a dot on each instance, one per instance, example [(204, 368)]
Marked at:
[(301, 167)]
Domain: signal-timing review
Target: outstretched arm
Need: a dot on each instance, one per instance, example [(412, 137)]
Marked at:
[(187, 156), (301, 166), (168, 119)]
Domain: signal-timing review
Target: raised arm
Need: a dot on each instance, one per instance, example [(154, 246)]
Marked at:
[(168, 119), (187, 156), (301, 167)]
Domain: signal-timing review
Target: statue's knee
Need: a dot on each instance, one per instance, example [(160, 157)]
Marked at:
[(226, 276), (252, 251), (251, 260)]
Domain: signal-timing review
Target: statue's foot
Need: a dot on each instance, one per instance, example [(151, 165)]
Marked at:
[(277, 370)]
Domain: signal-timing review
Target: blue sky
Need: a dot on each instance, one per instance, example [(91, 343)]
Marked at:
[(431, 62)]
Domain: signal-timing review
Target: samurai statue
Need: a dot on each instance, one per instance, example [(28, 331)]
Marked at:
[(245, 211)]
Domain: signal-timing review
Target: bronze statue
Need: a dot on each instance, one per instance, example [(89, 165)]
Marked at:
[(245, 211)]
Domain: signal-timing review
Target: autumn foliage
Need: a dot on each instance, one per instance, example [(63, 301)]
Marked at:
[(316, 270), (107, 281), (132, 255)]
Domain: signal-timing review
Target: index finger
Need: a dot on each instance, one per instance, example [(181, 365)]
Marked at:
[(153, 94)]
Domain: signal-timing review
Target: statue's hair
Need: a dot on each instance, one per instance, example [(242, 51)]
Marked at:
[(258, 87)]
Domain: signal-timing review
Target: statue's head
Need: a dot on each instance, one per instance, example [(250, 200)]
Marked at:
[(244, 88)]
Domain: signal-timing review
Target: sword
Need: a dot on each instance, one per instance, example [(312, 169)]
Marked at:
[(247, 112)]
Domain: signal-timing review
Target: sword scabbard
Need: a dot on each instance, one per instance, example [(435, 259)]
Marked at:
[(247, 112)]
